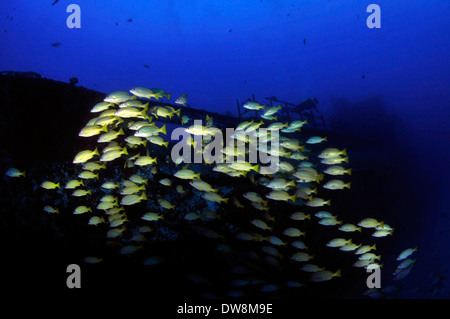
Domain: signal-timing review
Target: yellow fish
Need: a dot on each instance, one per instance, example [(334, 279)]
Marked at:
[(82, 210), (202, 186), (339, 242), (337, 170), (158, 141), (370, 223), (293, 232), (186, 174), (109, 136), (260, 224), (51, 210), (152, 217), (213, 197), (110, 185), (132, 189), (145, 160), (50, 185), (100, 107), (301, 256), (280, 195), (349, 228), (364, 249), (95, 220), (87, 175), (317, 202), (118, 97), (112, 155), (85, 156), (133, 199), (336, 184), (92, 166), (92, 130), (81, 192), (165, 204), (406, 253), (332, 152), (131, 112)]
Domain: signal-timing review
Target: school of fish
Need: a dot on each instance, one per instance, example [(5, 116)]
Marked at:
[(128, 169)]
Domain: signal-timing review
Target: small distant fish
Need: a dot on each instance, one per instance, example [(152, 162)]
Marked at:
[(56, 44), (55, 2), (95, 220), (304, 41), (130, 20), (254, 106), (146, 66), (51, 210), (231, 30), (316, 140), (182, 99), (92, 260), (14, 172), (406, 253)]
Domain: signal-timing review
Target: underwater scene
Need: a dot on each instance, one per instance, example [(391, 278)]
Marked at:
[(218, 157)]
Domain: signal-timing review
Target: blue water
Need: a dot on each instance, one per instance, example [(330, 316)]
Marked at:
[(220, 51)]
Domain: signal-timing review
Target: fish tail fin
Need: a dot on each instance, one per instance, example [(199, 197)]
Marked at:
[(58, 185), (347, 185), (226, 200), (96, 152), (145, 107), (168, 96), (256, 168), (125, 151), (349, 171), (325, 139), (177, 112), (144, 196), (166, 144), (89, 192), (263, 107), (104, 128), (328, 202), (121, 132), (346, 159), (308, 216), (292, 198), (163, 129), (337, 273), (344, 152), (197, 176), (23, 174), (358, 229)]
